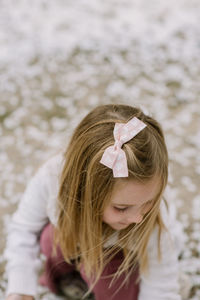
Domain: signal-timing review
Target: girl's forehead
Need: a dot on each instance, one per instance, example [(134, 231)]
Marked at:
[(136, 184), (133, 190)]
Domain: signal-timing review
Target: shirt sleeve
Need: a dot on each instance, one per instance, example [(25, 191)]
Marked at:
[(161, 280), (22, 245)]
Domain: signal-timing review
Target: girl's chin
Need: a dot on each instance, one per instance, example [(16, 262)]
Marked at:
[(118, 226)]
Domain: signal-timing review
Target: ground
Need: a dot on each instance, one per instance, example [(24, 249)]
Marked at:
[(60, 59)]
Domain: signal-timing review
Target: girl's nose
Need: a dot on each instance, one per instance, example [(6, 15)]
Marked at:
[(135, 219)]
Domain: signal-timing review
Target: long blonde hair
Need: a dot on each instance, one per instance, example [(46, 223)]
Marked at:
[(86, 186)]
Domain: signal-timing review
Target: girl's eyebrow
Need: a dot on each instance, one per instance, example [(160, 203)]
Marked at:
[(130, 204)]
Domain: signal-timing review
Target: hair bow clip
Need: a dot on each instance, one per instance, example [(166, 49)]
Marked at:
[(114, 157)]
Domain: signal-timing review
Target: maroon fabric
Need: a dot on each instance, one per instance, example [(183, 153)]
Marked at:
[(56, 268)]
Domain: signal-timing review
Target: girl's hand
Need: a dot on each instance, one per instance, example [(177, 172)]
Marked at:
[(19, 297)]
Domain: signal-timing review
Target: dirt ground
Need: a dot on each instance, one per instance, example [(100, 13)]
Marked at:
[(53, 73)]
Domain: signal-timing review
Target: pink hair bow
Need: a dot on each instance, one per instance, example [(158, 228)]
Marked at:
[(114, 157)]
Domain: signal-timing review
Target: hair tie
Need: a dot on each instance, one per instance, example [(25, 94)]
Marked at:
[(114, 157)]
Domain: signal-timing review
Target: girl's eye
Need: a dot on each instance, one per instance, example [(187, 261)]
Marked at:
[(121, 209)]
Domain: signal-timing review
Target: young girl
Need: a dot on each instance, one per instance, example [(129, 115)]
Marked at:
[(98, 208)]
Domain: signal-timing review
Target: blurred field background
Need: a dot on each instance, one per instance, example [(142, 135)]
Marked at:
[(59, 59)]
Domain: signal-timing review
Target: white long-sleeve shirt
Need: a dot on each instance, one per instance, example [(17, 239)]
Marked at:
[(37, 208)]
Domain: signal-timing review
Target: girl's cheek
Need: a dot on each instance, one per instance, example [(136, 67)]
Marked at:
[(147, 208), (114, 216)]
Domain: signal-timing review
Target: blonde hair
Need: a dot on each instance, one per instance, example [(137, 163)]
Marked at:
[(86, 186)]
